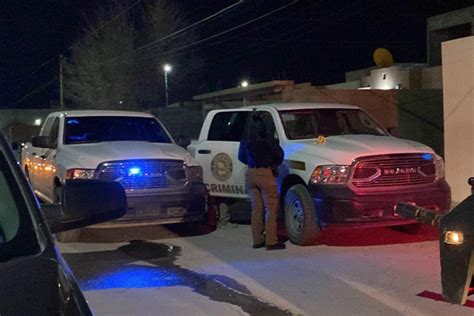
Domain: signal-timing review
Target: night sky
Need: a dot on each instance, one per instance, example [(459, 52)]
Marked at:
[(310, 40)]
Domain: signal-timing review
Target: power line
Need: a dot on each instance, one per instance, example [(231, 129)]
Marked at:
[(204, 39), (287, 35), (212, 16), (206, 19), (257, 48), (103, 26)]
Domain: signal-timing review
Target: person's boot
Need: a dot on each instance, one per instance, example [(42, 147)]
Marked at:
[(224, 217)]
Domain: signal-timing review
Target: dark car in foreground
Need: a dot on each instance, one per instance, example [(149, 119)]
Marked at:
[(34, 278)]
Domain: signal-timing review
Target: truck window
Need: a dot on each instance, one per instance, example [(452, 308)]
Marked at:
[(94, 129), (228, 126), (269, 124), (46, 129), (55, 131), (311, 123), (17, 236)]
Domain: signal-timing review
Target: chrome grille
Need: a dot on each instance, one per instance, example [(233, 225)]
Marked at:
[(144, 174), (394, 170)]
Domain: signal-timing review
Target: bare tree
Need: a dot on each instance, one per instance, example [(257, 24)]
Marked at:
[(162, 25), (118, 64), (93, 78)]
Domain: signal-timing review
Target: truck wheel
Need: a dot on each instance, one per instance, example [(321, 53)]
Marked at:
[(300, 216), (70, 235)]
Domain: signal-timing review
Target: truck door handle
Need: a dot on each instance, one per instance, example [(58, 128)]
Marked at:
[(204, 151)]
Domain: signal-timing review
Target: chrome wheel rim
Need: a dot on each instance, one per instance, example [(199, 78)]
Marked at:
[(296, 212)]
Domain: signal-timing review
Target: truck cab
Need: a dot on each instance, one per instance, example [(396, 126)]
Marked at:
[(340, 167)]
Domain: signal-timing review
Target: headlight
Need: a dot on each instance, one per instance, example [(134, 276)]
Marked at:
[(453, 237), (195, 174), (334, 174), (80, 174), (440, 170)]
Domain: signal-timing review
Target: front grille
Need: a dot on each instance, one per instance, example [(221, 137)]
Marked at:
[(144, 174), (394, 170)]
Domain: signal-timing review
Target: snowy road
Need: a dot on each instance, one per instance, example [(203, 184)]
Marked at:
[(219, 274)]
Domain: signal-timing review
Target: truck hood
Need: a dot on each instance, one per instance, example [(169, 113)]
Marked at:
[(345, 148), (91, 155)]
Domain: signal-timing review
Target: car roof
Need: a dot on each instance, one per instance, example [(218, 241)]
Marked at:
[(302, 106), (79, 113)]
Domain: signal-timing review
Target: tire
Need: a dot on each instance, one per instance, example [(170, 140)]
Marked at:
[(300, 216), (70, 235)]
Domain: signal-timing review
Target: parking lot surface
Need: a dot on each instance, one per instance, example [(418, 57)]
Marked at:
[(377, 271)]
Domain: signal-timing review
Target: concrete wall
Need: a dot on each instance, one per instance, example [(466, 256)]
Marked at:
[(185, 121), (345, 85), (447, 26), (420, 115), (380, 103), (25, 116), (357, 74), (432, 78), (387, 78), (458, 85), (408, 76)]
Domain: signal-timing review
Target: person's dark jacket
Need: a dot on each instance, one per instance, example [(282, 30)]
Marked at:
[(261, 154)]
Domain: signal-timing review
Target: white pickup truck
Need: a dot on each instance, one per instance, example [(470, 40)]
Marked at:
[(163, 183), (341, 167)]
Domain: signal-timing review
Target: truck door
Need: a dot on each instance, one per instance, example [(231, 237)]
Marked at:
[(48, 156), (224, 174), (34, 166)]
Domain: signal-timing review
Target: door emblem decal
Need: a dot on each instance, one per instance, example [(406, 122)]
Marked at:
[(221, 167)]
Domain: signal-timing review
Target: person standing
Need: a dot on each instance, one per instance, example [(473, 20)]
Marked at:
[(261, 152)]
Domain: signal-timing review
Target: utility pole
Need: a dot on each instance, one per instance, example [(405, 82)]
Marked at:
[(61, 90)]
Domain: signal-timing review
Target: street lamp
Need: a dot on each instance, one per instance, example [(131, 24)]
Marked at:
[(244, 84), (167, 68)]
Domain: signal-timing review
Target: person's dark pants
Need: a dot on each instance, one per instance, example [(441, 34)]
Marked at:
[(262, 188)]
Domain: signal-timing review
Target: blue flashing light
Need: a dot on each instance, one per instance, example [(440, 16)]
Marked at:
[(427, 156), (77, 137), (72, 122), (134, 171)]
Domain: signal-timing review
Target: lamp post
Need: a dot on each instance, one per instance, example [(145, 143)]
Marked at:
[(244, 84), (167, 68)]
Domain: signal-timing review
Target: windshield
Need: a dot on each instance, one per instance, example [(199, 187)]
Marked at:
[(17, 236), (312, 123), (94, 129)]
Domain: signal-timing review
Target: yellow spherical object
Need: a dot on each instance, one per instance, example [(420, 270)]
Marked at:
[(383, 57)]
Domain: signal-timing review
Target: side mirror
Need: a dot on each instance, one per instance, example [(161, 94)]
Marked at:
[(394, 131), (183, 141), (86, 202), (42, 142)]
